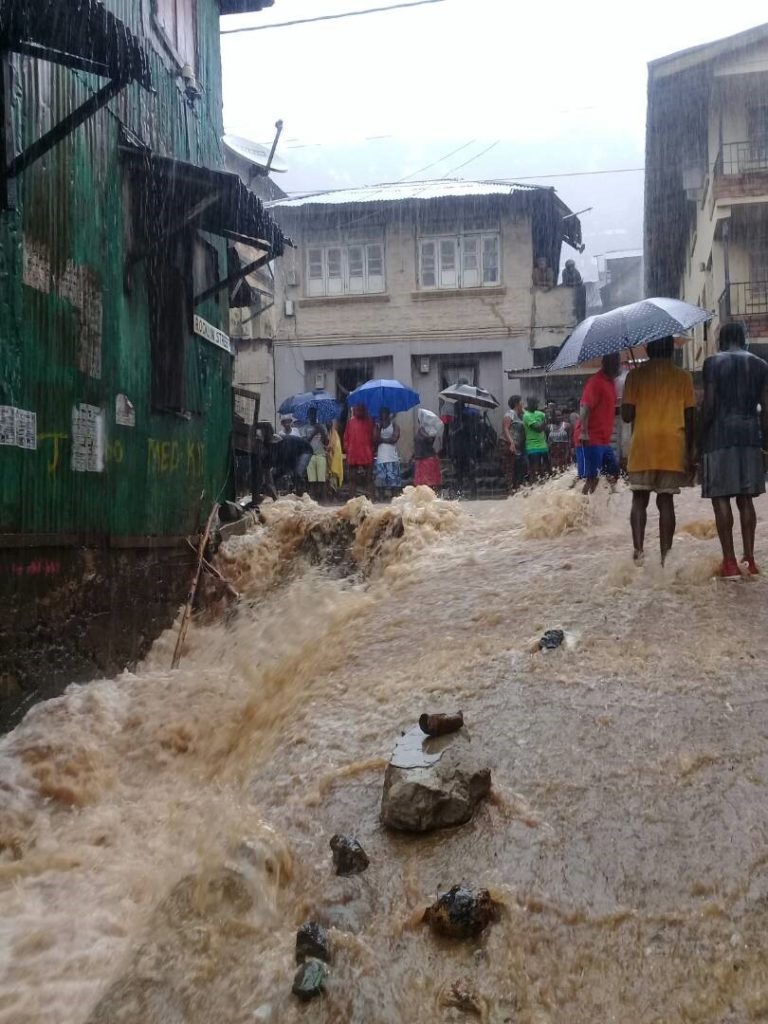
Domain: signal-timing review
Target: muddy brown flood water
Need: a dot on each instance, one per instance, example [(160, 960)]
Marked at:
[(626, 837)]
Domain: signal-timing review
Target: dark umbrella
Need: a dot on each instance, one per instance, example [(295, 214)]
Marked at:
[(628, 327), (469, 395)]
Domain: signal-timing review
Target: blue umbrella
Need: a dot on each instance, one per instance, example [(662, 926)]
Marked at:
[(298, 406), (628, 327), (376, 395)]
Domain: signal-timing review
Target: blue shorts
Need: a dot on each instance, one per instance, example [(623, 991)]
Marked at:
[(597, 459), (580, 462)]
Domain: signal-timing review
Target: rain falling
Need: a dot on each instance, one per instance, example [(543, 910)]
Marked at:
[(383, 446)]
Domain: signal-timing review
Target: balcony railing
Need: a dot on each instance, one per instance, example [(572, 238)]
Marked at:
[(743, 157), (743, 299)]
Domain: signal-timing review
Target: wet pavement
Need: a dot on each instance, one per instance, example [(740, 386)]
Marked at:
[(165, 834)]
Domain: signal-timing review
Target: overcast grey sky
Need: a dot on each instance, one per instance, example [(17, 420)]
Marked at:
[(553, 88)]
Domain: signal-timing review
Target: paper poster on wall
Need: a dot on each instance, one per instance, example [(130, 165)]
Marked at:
[(87, 439), (79, 285), (125, 413), (18, 427)]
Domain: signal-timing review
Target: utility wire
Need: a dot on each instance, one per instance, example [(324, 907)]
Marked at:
[(329, 17), (476, 157), (487, 181), (436, 162)]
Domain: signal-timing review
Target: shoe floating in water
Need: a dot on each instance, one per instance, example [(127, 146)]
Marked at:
[(729, 570)]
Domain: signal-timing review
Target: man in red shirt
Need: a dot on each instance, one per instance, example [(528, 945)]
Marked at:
[(358, 446), (597, 416)]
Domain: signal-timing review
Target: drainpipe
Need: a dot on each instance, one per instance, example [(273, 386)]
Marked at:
[(726, 267)]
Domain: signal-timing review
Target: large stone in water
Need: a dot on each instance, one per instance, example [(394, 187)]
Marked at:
[(312, 942), (462, 913), (310, 979), (349, 858), (433, 782)]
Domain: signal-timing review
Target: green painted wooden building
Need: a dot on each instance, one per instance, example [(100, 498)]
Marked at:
[(116, 219)]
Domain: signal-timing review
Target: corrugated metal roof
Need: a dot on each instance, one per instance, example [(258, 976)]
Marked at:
[(398, 192)]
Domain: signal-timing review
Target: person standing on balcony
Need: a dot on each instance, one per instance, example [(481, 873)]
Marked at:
[(734, 442), (543, 277), (571, 276)]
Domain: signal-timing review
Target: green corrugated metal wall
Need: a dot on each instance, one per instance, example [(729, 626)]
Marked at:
[(71, 203)]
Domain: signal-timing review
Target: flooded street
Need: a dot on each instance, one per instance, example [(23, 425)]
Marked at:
[(164, 834)]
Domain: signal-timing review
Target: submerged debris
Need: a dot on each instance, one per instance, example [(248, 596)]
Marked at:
[(309, 980), (349, 858), (462, 995), (551, 639), (312, 943), (440, 724), (462, 913)]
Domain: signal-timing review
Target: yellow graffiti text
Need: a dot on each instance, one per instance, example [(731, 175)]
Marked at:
[(55, 456)]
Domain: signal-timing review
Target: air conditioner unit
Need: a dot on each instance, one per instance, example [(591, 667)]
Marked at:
[(291, 278), (290, 307), (424, 364)]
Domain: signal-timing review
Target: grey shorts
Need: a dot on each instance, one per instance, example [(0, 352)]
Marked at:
[(660, 481), (732, 472)]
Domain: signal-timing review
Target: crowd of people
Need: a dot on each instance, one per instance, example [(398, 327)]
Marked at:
[(673, 438)]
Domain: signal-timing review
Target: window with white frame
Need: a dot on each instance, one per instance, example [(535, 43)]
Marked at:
[(178, 21), (464, 260), (348, 269)]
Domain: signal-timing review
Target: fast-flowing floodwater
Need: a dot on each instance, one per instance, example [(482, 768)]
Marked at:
[(164, 833)]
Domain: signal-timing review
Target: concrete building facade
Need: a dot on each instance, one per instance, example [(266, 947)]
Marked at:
[(427, 283), (706, 217)]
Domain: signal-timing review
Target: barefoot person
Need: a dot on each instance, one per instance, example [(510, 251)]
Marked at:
[(660, 404), (734, 440), (598, 415)]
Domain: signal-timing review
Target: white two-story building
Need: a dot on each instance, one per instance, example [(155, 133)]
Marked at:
[(426, 282), (706, 186)]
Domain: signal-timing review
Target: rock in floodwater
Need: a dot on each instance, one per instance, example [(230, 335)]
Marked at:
[(433, 782), (441, 724), (349, 858), (462, 913), (312, 943), (310, 979), (551, 639)]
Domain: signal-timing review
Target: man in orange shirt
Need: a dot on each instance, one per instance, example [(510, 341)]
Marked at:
[(659, 403)]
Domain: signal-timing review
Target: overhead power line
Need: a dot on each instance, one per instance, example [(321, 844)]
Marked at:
[(330, 17), (492, 181), (436, 162), (476, 157)]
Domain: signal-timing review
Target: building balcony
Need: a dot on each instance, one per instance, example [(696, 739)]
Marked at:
[(746, 301), (741, 170)]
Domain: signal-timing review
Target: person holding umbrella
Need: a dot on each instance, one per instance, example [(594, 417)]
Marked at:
[(386, 470), (597, 414), (659, 403)]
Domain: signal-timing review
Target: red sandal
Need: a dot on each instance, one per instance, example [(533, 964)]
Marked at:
[(729, 570)]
